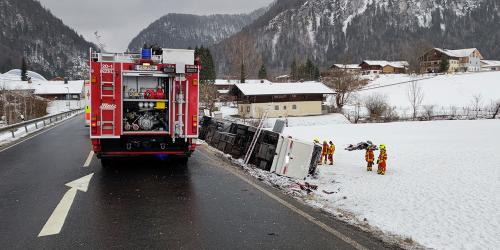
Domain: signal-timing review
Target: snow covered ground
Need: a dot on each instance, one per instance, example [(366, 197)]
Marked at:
[(442, 91), (441, 187)]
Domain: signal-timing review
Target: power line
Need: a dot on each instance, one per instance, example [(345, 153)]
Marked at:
[(394, 84)]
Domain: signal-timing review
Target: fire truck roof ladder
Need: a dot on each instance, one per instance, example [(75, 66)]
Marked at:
[(108, 86), (255, 138)]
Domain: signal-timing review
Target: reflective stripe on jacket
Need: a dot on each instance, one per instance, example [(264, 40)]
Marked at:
[(383, 156), (369, 156)]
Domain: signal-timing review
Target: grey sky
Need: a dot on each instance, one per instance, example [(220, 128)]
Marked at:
[(118, 21)]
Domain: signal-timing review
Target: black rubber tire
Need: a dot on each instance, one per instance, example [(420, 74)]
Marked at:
[(106, 163), (183, 161)]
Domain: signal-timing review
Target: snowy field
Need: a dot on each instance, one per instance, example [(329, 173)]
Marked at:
[(442, 91), (441, 188)]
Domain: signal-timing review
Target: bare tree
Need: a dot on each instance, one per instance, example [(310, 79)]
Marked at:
[(477, 102), (495, 109), (415, 96), (376, 105), (208, 96), (413, 50), (357, 111), (429, 111), (344, 83)]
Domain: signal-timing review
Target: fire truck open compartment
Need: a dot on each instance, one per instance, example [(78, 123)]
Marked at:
[(145, 103)]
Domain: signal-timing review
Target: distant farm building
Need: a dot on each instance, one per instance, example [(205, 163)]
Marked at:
[(489, 65), (51, 90), (460, 60), (347, 67), (283, 78), (369, 67), (280, 99)]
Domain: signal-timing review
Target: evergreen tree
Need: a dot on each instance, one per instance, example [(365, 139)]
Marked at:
[(24, 70), (444, 65), (317, 74), (309, 70), (243, 74), (294, 71), (211, 74), (207, 73), (263, 72)]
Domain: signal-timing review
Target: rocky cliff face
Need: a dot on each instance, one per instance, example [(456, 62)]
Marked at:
[(182, 30), (329, 31), (50, 47)]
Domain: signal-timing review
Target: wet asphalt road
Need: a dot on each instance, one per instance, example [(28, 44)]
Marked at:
[(148, 204)]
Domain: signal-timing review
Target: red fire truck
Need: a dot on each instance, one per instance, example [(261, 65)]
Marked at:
[(144, 103)]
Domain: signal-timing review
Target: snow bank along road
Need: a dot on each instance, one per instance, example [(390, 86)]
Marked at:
[(442, 184), (149, 204)]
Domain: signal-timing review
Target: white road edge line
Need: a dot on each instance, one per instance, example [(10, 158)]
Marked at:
[(89, 159), (29, 137), (298, 211)]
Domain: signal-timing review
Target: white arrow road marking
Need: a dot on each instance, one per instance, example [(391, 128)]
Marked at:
[(89, 159), (56, 221)]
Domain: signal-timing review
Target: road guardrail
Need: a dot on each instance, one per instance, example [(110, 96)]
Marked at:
[(46, 120)]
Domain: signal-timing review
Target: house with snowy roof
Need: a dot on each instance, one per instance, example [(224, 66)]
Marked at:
[(369, 67), (459, 60), (489, 65), (347, 67), (280, 99), (52, 90)]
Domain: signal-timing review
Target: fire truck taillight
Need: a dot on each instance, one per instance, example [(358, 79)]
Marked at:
[(195, 82), (93, 123), (94, 79), (195, 121)]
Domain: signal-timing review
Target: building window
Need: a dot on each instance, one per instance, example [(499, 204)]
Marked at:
[(248, 109), (241, 109), (284, 107), (276, 107), (294, 106)]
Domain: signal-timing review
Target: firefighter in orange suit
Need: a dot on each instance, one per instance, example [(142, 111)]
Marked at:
[(324, 153), (382, 159), (370, 158), (331, 151)]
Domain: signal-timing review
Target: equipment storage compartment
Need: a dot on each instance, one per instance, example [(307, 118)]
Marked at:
[(145, 104)]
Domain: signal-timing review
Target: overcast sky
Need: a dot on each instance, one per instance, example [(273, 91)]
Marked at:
[(118, 21)]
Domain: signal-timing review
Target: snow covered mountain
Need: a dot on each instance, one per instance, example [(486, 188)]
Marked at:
[(328, 31), (50, 47), (183, 30)]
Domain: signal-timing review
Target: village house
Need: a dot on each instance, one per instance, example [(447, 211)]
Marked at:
[(38, 85), (283, 78), (280, 99), (369, 67), (353, 68), (489, 65), (459, 60), (223, 86)]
